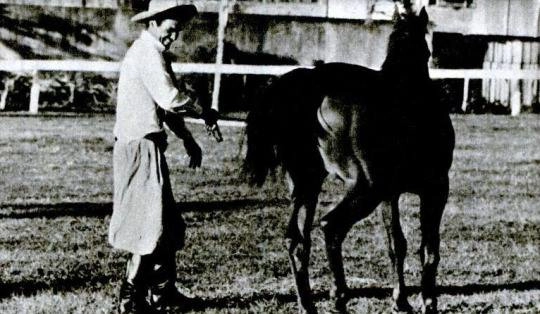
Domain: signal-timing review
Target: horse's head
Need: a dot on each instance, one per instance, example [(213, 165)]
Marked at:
[(408, 52)]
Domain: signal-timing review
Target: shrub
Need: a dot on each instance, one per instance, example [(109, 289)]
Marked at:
[(71, 92)]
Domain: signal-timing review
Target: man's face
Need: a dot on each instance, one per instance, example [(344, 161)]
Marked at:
[(166, 32)]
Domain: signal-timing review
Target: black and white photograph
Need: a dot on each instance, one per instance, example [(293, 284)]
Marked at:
[(269, 156)]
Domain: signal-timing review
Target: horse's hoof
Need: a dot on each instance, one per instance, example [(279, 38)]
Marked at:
[(342, 309), (339, 309), (340, 301), (429, 306), (340, 298), (340, 294), (402, 307), (308, 310)]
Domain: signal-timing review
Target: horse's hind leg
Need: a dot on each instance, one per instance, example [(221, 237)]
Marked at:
[(298, 238), (397, 247), (356, 205), (432, 202)]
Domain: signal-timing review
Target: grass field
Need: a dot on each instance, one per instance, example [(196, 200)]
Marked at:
[(55, 205)]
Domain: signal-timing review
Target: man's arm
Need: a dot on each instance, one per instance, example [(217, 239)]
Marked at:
[(175, 122), (157, 80)]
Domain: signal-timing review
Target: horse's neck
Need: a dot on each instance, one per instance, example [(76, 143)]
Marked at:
[(403, 74), (410, 89), (402, 77)]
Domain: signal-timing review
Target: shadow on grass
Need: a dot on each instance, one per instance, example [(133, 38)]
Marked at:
[(28, 288), (370, 292), (467, 289), (81, 209), (243, 302)]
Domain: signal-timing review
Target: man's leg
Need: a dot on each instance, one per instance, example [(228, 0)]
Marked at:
[(134, 288), (163, 283), (163, 273)]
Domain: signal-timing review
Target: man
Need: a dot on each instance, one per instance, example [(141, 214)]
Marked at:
[(145, 220)]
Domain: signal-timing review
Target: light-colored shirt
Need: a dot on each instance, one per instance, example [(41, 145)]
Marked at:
[(145, 84)]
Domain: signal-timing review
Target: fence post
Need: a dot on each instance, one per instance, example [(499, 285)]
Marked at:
[(465, 94), (222, 24), (5, 92), (515, 84), (34, 93)]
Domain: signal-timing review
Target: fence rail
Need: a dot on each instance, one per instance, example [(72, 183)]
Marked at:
[(210, 68), (33, 67)]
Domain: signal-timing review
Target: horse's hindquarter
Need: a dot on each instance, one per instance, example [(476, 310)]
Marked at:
[(350, 93), (335, 145)]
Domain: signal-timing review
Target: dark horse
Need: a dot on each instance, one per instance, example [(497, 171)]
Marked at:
[(383, 133)]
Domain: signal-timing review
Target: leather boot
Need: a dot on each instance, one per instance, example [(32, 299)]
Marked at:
[(133, 299)]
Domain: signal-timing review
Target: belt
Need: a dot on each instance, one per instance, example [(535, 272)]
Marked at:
[(159, 138), (156, 136)]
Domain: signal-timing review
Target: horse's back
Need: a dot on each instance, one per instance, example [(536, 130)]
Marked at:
[(345, 79)]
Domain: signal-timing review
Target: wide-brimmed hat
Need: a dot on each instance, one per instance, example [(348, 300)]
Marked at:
[(166, 9)]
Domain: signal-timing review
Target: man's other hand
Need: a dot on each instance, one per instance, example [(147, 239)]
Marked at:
[(213, 130), (194, 152), (210, 116)]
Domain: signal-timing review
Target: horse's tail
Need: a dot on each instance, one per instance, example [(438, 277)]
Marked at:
[(280, 121), (261, 156)]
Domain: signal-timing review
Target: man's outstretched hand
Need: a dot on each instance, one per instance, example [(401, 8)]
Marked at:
[(210, 117), (194, 152)]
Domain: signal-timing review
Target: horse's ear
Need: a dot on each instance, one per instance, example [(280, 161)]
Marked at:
[(407, 5), (396, 17), (424, 18)]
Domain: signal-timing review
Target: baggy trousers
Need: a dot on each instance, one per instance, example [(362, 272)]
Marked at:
[(145, 220)]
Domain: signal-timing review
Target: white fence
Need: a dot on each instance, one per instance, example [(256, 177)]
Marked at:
[(33, 67)]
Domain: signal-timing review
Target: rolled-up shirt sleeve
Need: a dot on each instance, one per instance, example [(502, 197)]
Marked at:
[(160, 85)]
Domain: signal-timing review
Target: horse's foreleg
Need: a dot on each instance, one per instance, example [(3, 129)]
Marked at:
[(397, 248), (336, 224), (432, 204)]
